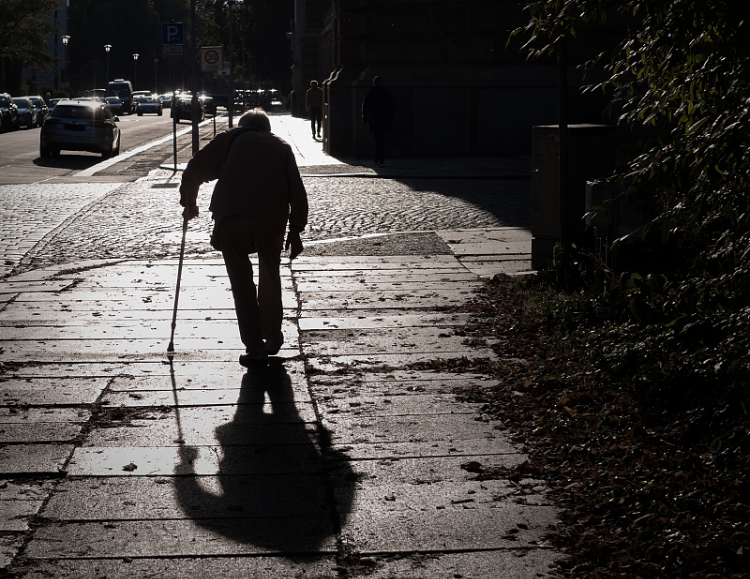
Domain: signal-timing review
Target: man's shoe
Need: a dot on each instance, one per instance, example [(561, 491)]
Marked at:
[(253, 361), (273, 346)]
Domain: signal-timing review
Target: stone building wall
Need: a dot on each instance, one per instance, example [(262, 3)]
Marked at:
[(459, 91)]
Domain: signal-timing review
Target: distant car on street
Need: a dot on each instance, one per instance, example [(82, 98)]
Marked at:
[(115, 104), (209, 105), (141, 93), (8, 112), (123, 89), (166, 100), (42, 108), (53, 102), (181, 108), (28, 115), (79, 125), (148, 104), (97, 94)]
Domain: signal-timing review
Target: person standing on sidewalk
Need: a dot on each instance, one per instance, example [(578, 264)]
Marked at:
[(378, 111), (258, 192), (314, 105)]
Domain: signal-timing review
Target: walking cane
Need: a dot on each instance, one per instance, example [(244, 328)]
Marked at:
[(170, 348)]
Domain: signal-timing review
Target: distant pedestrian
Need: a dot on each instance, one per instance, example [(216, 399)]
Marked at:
[(259, 189), (314, 105), (378, 111)]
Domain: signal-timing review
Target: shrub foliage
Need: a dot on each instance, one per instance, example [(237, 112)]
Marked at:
[(678, 320)]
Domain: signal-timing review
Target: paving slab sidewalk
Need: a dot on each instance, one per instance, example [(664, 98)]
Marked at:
[(343, 458)]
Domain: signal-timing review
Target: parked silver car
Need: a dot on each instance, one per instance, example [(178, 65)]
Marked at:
[(80, 126), (28, 115)]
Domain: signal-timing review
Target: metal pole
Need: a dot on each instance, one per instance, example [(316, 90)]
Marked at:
[(562, 96), (194, 81), (135, 74), (243, 72), (170, 348), (174, 127), (231, 74)]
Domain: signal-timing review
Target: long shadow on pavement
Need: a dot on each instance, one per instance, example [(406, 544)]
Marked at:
[(271, 491)]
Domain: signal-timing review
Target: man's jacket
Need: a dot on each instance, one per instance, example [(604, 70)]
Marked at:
[(257, 175)]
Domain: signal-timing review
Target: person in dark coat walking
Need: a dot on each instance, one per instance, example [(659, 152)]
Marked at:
[(259, 191), (314, 105), (378, 111)]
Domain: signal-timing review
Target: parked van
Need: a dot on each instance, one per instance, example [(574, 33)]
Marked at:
[(123, 89)]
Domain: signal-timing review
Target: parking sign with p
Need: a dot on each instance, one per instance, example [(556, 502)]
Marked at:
[(172, 33)]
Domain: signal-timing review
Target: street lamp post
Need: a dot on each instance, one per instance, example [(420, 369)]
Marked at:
[(156, 76), (107, 48), (232, 5), (135, 66), (65, 40)]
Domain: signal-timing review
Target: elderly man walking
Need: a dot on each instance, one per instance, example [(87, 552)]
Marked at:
[(258, 192)]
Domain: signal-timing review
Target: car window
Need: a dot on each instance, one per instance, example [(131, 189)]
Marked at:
[(21, 102), (107, 113), (3, 101), (68, 112)]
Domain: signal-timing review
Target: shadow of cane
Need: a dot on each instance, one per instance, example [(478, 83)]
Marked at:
[(272, 490)]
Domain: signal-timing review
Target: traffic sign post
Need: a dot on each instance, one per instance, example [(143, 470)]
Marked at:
[(172, 33), (211, 58), (172, 37)]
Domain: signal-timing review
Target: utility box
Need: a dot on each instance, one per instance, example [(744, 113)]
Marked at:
[(591, 156)]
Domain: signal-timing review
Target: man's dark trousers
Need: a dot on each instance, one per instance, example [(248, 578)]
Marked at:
[(259, 313)]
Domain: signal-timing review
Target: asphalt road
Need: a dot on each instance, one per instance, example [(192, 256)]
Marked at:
[(20, 162)]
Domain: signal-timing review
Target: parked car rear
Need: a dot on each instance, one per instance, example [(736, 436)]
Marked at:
[(80, 126), (181, 108), (9, 113), (28, 115), (209, 105), (115, 104), (42, 108)]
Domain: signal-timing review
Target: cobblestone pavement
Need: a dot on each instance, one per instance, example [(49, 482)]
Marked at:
[(142, 220), (28, 213), (52, 224)]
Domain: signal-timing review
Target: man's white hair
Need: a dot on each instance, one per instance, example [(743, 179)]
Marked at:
[(255, 119)]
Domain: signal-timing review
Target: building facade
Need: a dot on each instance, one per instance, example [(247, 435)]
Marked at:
[(56, 48), (460, 90)]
